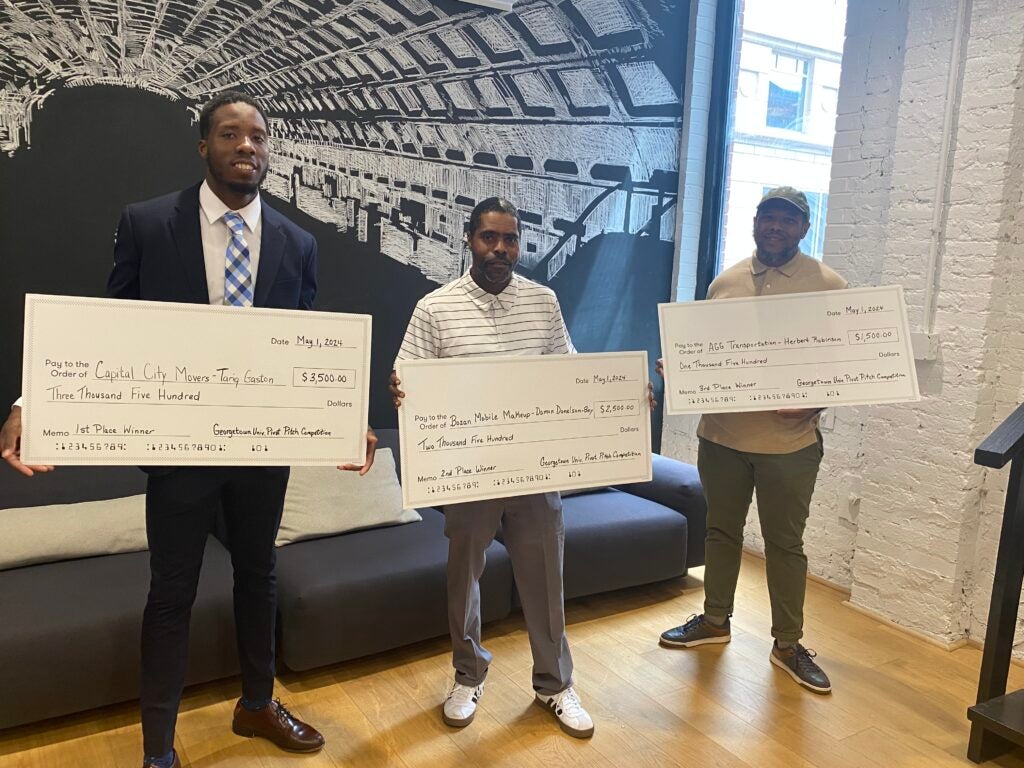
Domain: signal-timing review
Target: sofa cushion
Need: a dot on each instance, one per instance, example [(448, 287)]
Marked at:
[(323, 501), (615, 540), (70, 633), (367, 591), (68, 531)]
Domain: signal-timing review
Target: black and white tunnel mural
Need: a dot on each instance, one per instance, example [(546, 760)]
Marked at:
[(390, 118)]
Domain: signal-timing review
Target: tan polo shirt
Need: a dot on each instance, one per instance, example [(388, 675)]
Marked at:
[(766, 431)]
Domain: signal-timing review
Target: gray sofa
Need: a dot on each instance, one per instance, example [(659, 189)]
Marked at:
[(69, 638)]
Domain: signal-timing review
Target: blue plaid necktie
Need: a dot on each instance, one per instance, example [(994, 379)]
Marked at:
[(237, 274)]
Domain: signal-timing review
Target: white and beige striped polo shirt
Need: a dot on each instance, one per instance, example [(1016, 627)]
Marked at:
[(461, 319)]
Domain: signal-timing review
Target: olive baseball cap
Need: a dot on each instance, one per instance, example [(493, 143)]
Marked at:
[(793, 196)]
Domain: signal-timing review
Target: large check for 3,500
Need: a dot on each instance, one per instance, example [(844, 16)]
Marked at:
[(487, 427), (800, 350), (109, 381)]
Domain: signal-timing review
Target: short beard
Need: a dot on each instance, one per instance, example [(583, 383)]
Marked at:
[(481, 279), (242, 188), (779, 259)]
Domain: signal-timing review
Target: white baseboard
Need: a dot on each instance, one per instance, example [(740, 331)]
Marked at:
[(945, 645)]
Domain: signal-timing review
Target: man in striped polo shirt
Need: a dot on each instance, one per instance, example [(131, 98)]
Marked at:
[(493, 311)]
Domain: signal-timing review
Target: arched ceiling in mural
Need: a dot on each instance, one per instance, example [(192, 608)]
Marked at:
[(409, 109)]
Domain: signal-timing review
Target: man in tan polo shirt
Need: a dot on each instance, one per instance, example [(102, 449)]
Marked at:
[(775, 453)]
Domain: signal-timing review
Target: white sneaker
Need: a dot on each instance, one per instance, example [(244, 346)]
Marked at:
[(460, 705), (572, 717)]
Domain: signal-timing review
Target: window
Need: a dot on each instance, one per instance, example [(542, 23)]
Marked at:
[(813, 243), (780, 125), (787, 93)]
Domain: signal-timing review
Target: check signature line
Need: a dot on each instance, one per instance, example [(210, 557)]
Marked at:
[(848, 384), (278, 437)]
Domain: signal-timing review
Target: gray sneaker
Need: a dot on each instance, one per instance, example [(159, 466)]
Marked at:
[(696, 631), (798, 662)]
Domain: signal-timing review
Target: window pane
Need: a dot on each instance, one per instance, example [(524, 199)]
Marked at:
[(786, 79), (787, 93)]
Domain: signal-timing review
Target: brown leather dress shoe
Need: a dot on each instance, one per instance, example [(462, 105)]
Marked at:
[(277, 724)]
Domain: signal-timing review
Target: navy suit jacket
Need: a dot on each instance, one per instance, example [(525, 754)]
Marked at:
[(158, 256)]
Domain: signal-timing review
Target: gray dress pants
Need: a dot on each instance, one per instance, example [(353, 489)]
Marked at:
[(533, 535)]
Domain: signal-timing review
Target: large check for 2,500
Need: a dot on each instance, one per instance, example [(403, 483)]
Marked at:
[(110, 381), (488, 427), (799, 350)]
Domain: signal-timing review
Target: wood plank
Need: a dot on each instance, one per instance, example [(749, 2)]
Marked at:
[(898, 701)]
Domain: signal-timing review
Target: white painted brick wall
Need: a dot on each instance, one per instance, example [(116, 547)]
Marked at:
[(926, 521), (1005, 361)]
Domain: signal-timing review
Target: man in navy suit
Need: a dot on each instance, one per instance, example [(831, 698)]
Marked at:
[(179, 248)]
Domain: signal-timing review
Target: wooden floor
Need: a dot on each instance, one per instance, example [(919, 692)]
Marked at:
[(898, 701)]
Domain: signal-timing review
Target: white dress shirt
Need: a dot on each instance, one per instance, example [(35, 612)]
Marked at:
[(217, 234)]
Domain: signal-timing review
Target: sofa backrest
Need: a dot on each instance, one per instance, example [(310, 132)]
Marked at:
[(66, 485)]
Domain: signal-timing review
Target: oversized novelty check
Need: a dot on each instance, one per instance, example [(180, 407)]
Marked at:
[(487, 427), (799, 350), (109, 381)]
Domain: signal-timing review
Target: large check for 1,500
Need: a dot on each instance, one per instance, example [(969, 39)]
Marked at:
[(487, 427), (798, 350), (112, 381)]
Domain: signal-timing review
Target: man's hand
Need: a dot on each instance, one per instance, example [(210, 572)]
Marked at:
[(10, 445), (396, 393), (659, 367), (798, 413), (650, 396), (371, 448)]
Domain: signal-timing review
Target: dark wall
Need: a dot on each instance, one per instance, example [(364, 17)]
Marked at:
[(610, 293), (93, 151)]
